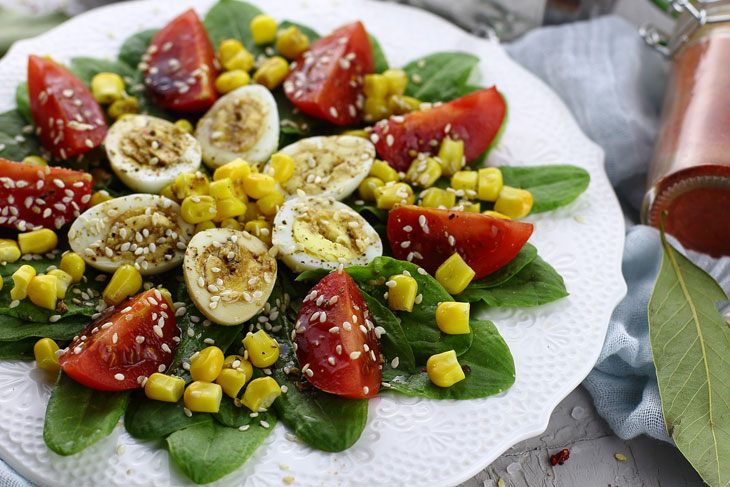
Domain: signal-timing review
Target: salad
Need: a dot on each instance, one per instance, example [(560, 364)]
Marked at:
[(231, 227)]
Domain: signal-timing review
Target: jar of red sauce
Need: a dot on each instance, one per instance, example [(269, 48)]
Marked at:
[(689, 176)]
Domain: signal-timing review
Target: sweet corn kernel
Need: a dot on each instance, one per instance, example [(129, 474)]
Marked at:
[(397, 80), (490, 184), (282, 166), (258, 185), (451, 155), (125, 282), (367, 188), (74, 264), (260, 229), (363, 134), (438, 198), (203, 397), (454, 274), (42, 291), (237, 362), (252, 213), (63, 281), (124, 106), (35, 161), (272, 73), (271, 203), (466, 180), (388, 196), (424, 172), (37, 241), (233, 170), (233, 55), (196, 209), (375, 109), (444, 370), (184, 125), (169, 192), (291, 42), (470, 206), (203, 226), (263, 29), (166, 294), (9, 251), (107, 88), (44, 351), (190, 184), (231, 381), (496, 214), (221, 189), (263, 350), (239, 192), (261, 394), (231, 80), (513, 202), (402, 290), (206, 364), (229, 208), (383, 170), (21, 279), (230, 223), (99, 197), (453, 318), (401, 104), (375, 86), (162, 387)]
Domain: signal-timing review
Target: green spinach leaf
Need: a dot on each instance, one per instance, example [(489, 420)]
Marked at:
[(441, 76), (504, 274), (135, 47), (22, 100), (18, 349), (552, 186), (147, 419), (393, 344), (230, 19), (85, 68), (15, 143), (17, 329), (380, 61), (236, 416)]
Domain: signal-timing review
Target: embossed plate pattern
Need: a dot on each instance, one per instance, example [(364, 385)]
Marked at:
[(408, 442)]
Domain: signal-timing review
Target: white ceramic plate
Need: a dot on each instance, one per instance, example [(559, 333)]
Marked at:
[(407, 441)]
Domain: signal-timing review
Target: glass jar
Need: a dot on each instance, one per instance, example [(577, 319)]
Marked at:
[(689, 176)]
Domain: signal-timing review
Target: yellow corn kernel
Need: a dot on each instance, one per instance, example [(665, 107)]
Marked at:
[(258, 185), (231, 381), (453, 318), (291, 42), (271, 203), (44, 351), (438, 198), (401, 104), (260, 229), (229, 208), (496, 214), (465, 180), (367, 188), (196, 209), (169, 192), (162, 387), (263, 29), (203, 397), (124, 106), (375, 86), (184, 125), (282, 166), (454, 274), (233, 55), (21, 280), (63, 281), (206, 364), (35, 161), (451, 155), (203, 226), (424, 172), (444, 370), (233, 170), (397, 80), (74, 264), (107, 88), (363, 134), (490, 184), (272, 73), (190, 184), (231, 80), (42, 291), (230, 223), (166, 294), (470, 206), (375, 109), (252, 213), (237, 362), (125, 282), (9, 251), (99, 197), (513, 202), (239, 192), (37, 241), (386, 197), (402, 290), (221, 189), (263, 350), (383, 170), (261, 394)]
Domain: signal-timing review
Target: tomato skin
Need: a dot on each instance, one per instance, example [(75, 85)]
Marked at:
[(101, 357), (180, 71), (332, 90), (474, 118), (315, 344), (485, 243), (68, 119), (38, 199)]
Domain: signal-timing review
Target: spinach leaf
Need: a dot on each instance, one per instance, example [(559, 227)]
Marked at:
[(147, 419), (230, 19), (15, 143), (236, 416), (393, 344), (18, 349), (22, 99), (488, 366), (78, 416), (551, 186), (369, 209), (293, 123), (380, 61), (135, 47), (441, 76), (85, 68), (504, 274), (208, 451), (307, 31), (537, 283), (16, 329)]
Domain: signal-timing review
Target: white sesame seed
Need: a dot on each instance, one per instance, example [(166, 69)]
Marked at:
[(355, 355), (119, 376)]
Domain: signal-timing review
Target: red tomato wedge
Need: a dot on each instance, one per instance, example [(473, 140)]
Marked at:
[(429, 236), (335, 339), (34, 197), (474, 118), (326, 80), (179, 65), (115, 352), (68, 119)]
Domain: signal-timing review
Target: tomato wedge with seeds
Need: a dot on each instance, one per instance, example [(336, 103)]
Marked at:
[(126, 343), (179, 66), (326, 81), (335, 339), (429, 236), (474, 118), (68, 119), (34, 197)]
